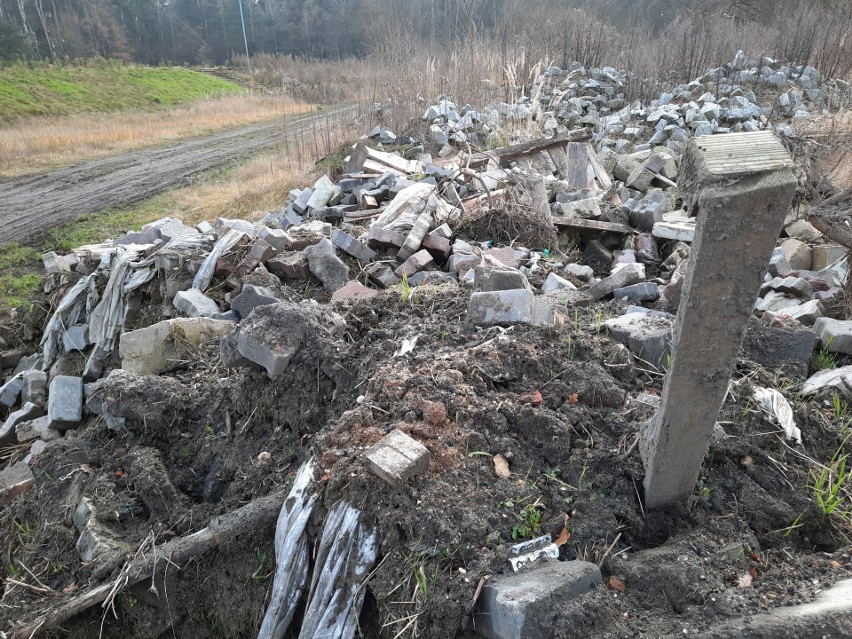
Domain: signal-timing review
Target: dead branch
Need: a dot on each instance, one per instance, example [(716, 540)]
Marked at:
[(259, 513)]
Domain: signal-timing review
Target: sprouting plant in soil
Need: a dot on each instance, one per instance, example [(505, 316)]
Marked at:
[(530, 524), (825, 359), (832, 486)]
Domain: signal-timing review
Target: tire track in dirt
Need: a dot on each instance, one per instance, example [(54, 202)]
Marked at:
[(34, 203)]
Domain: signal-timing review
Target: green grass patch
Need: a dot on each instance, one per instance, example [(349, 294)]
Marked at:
[(101, 86), (21, 268)]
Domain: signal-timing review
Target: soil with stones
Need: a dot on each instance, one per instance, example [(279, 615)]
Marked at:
[(562, 405), (35, 203)]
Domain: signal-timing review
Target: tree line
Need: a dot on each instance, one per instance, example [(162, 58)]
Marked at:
[(204, 32)]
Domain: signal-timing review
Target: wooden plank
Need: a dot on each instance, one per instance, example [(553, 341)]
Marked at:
[(591, 225), (394, 161), (506, 153), (372, 165)]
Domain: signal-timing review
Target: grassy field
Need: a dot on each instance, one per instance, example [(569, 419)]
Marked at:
[(102, 87), (248, 189)]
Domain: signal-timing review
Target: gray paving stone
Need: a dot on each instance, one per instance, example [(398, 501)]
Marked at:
[(250, 298), (834, 335), (65, 402), (521, 606), (194, 303), (396, 458), (501, 307)]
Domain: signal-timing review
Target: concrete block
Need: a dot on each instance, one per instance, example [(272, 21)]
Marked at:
[(348, 244), (795, 286), (624, 276), (779, 265), (396, 458), (165, 346), (462, 262), (775, 346), (588, 208), (643, 292), (194, 303), (380, 238), (54, 263), (580, 271), (27, 412), (251, 297), (65, 402), (382, 275), (276, 238), (647, 336), (15, 480), (834, 335), (798, 254), (803, 230), (556, 283), (326, 266), (497, 279), (11, 390), (520, 606), (825, 255), (807, 313), (501, 307), (76, 338), (679, 231), (353, 290), (35, 385)]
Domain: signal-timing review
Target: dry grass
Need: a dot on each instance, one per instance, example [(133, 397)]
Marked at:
[(260, 184), (42, 143)]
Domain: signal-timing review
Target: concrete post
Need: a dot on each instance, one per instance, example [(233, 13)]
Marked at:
[(741, 186)]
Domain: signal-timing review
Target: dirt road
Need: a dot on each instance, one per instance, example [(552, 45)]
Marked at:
[(34, 203)]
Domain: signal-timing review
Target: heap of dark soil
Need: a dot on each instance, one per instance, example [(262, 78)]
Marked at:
[(561, 404)]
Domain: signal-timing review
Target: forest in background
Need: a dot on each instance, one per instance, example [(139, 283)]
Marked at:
[(205, 32)]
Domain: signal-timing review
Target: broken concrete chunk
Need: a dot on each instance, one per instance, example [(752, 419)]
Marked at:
[(396, 458), (773, 346), (834, 335), (250, 298), (520, 606), (65, 402), (498, 279), (167, 345), (35, 385), (38, 428), (326, 266), (580, 271), (806, 313), (382, 275), (556, 283), (839, 379), (501, 307), (826, 255), (625, 276), (27, 412), (779, 266), (10, 391), (647, 336), (15, 480), (273, 334), (194, 303), (680, 231), (798, 254), (54, 263)]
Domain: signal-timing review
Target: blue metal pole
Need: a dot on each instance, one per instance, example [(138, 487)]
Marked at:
[(245, 39)]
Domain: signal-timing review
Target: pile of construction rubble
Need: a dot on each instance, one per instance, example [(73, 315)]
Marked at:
[(600, 218), (391, 221)]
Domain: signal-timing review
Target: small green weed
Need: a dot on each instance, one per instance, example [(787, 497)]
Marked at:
[(530, 524), (832, 485), (407, 292), (259, 573), (825, 359)]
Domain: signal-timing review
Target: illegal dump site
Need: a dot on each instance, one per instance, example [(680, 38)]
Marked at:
[(567, 366)]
